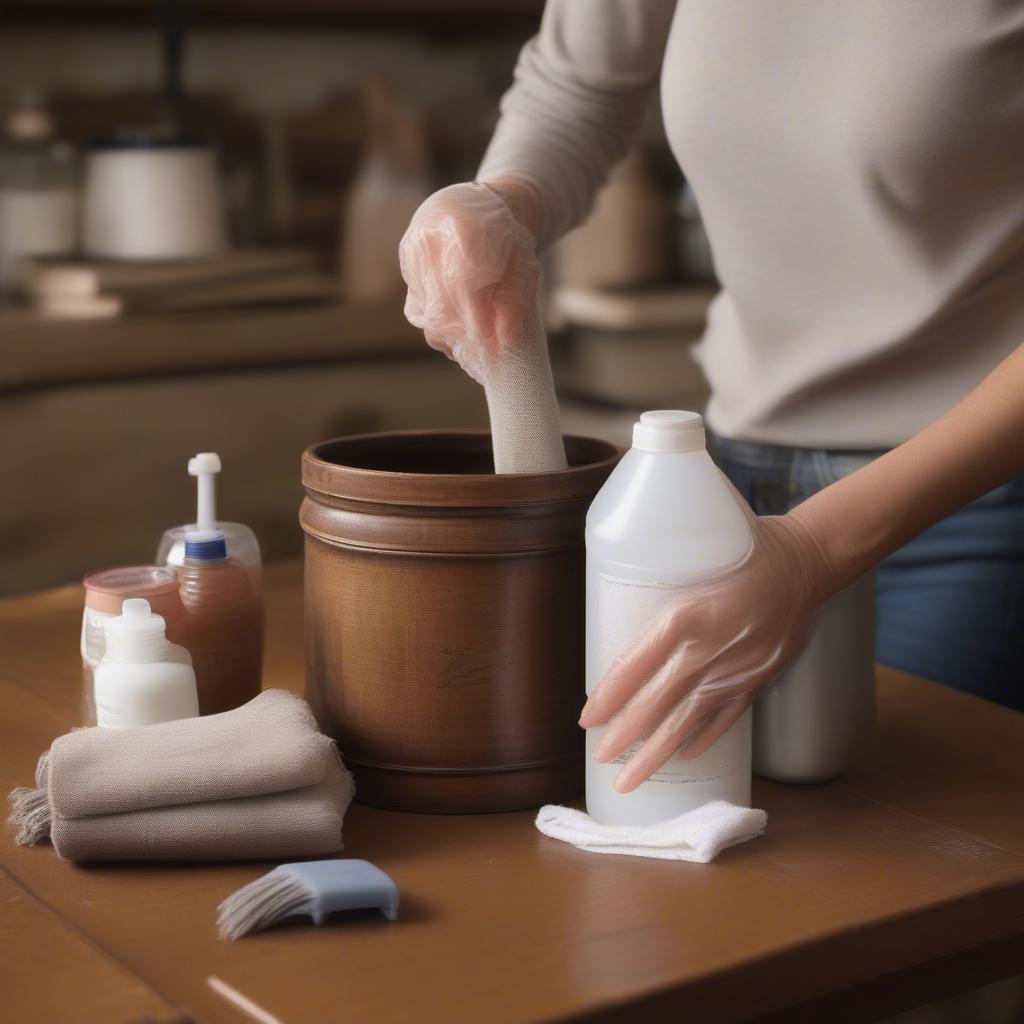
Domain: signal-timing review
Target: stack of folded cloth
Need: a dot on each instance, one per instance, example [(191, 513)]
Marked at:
[(258, 782)]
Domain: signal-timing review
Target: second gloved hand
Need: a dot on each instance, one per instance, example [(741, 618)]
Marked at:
[(710, 651)]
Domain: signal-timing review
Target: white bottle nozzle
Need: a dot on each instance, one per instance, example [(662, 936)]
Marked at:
[(204, 467), (137, 634), (135, 608)]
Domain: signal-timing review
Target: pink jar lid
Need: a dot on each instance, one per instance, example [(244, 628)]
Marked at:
[(106, 589)]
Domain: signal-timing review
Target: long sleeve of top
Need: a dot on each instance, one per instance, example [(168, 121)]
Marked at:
[(582, 87)]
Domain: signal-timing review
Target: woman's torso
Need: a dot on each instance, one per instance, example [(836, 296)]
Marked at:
[(860, 169)]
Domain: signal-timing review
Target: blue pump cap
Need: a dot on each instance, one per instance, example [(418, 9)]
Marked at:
[(209, 547)]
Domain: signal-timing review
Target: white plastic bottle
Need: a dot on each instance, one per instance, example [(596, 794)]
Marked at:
[(142, 679), (665, 516)]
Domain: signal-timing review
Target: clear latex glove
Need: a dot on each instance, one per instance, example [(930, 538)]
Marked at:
[(703, 660), (472, 271), (469, 259)]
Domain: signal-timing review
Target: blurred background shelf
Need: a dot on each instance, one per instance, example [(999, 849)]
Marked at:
[(36, 352), (99, 417)]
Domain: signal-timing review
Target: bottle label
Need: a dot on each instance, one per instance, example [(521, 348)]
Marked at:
[(94, 642), (678, 772), (113, 716), (626, 609)]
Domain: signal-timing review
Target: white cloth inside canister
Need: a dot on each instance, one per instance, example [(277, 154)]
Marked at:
[(522, 406)]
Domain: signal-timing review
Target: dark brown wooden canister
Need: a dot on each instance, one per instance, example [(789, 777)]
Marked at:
[(444, 618)]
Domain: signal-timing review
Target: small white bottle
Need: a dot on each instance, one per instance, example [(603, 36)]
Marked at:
[(142, 679), (664, 517)]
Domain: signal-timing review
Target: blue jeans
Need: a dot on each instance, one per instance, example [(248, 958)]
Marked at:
[(950, 604)]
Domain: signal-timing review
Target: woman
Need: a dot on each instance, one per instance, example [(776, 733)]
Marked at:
[(860, 170)]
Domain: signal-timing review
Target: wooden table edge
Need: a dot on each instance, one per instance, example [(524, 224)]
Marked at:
[(958, 970)]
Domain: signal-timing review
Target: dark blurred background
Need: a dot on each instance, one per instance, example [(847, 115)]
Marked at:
[(200, 206)]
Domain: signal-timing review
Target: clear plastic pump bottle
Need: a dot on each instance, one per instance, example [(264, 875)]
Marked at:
[(241, 542), (665, 516)]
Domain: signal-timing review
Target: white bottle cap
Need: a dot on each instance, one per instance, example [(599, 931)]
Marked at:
[(669, 430), (136, 635), (204, 462)]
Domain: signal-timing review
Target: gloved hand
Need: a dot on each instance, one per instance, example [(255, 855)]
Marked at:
[(469, 259), (712, 648)]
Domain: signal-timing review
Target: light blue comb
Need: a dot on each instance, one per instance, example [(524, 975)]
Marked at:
[(315, 889)]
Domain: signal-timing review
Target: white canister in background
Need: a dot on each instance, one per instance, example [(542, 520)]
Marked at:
[(38, 191), (150, 198)]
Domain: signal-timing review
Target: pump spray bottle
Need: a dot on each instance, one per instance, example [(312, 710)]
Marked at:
[(240, 541)]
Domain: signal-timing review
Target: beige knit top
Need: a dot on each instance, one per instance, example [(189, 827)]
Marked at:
[(860, 169)]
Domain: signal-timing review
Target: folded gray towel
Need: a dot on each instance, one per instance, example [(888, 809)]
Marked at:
[(256, 782)]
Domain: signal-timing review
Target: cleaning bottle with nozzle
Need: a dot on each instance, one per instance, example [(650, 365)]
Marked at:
[(240, 541), (142, 679)]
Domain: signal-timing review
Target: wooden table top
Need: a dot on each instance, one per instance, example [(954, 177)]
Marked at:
[(894, 885)]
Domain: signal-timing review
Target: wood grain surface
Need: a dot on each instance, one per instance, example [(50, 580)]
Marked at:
[(904, 878), (47, 968)]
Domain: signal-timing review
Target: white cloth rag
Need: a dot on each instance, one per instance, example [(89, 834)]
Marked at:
[(697, 836)]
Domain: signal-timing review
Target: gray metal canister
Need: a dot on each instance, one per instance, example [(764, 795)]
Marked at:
[(817, 715)]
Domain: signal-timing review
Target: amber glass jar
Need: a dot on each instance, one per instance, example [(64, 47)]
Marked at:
[(223, 624)]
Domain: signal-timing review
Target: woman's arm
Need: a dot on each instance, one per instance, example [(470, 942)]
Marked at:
[(582, 86), (703, 661), (976, 446), (469, 256)]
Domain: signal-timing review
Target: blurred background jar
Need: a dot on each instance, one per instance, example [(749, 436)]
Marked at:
[(39, 193)]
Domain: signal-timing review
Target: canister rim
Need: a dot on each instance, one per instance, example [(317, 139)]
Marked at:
[(324, 472)]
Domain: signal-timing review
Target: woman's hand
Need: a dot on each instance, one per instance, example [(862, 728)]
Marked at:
[(469, 259), (709, 652)]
